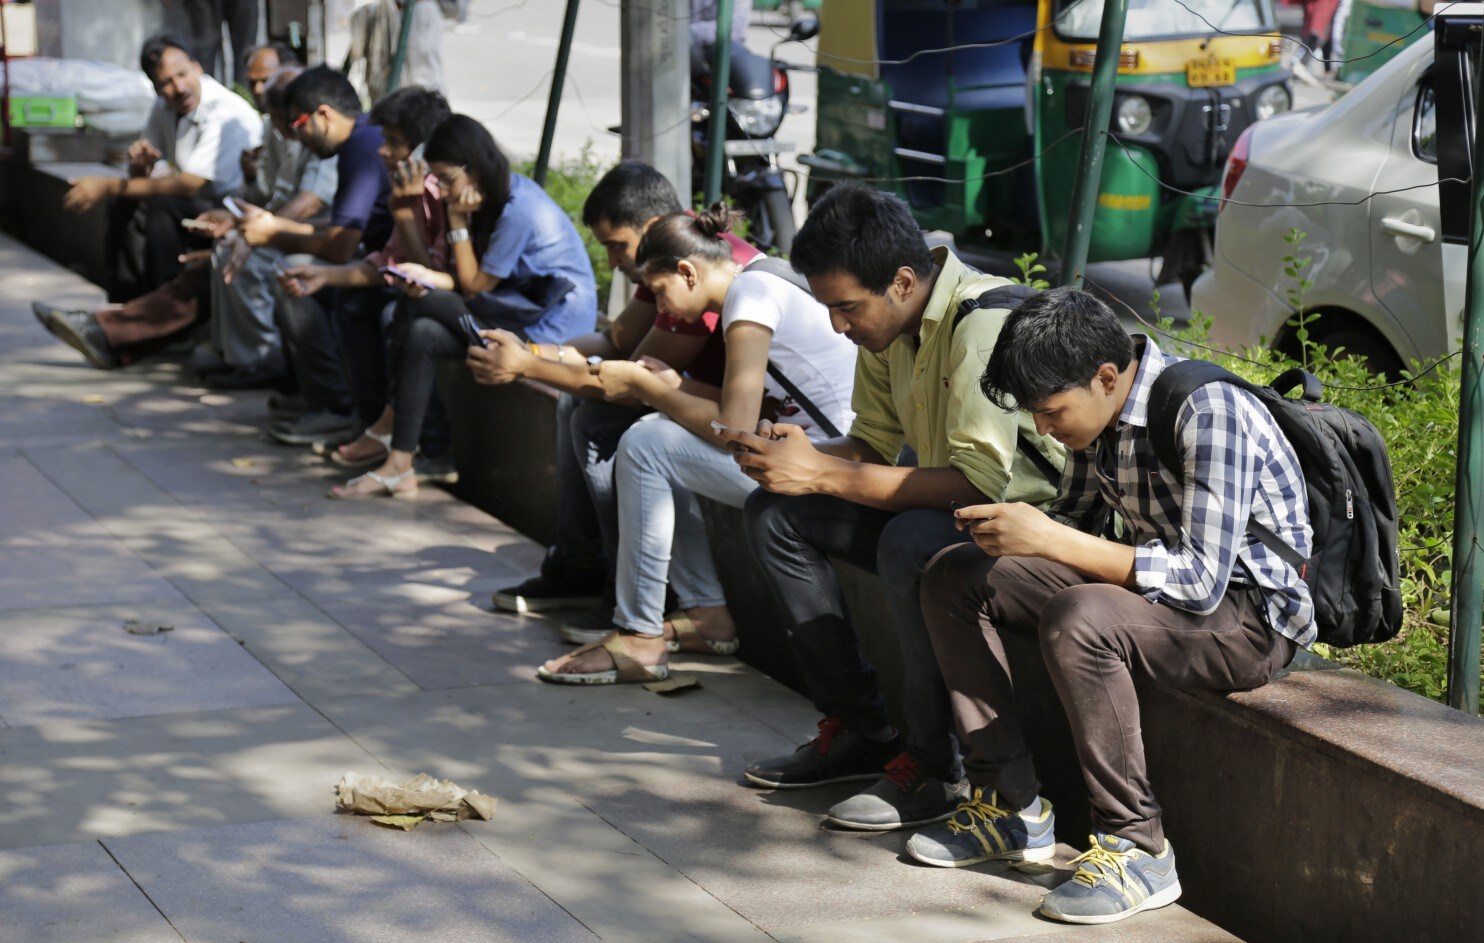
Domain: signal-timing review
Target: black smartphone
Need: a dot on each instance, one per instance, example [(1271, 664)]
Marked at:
[(471, 330)]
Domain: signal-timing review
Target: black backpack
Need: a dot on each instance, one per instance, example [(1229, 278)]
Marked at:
[(1353, 574)]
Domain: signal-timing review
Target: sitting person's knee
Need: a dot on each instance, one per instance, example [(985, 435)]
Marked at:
[(954, 570), (910, 539), (1071, 619)]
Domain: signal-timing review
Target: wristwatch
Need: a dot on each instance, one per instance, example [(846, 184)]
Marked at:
[(458, 235)]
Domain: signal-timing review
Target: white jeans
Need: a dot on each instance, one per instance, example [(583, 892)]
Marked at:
[(660, 468)]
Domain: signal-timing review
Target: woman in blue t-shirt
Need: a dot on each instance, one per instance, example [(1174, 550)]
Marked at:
[(516, 263)]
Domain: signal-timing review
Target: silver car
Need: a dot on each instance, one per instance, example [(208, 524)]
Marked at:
[(1376, 265)]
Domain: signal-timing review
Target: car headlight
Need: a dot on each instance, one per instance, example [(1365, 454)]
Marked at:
[(1134, 114), (758, 118), (1271, 101)]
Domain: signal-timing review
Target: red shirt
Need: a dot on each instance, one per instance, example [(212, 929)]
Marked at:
[(710, 364)]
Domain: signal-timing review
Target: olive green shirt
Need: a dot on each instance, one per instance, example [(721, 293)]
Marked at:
[(924, 392)]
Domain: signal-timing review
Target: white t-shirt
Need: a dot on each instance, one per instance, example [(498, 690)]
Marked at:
[(805, 347), (209, 141)]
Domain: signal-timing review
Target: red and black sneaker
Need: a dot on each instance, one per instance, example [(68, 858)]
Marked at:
[(906, 797), (837, 755)]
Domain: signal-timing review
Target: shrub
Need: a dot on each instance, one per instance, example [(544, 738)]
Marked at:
[(568, 182)]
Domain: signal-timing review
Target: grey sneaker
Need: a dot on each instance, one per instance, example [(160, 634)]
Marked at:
[(80, 331), (311, 426), (1115, 879), (906, 797), (437, 471), (981, 831), (588, 627)]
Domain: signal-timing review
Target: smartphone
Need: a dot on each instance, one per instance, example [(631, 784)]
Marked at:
[(232, 207), (395, 272), (471, 331), (718, 428), (279, 272), (196, 225)]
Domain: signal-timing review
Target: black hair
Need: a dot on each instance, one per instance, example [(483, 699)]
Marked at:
[(682, 236), (630, 194), (275, 94), (154, 50), (413, 111), (285, 53), (322, 85), (463, 141), (866, 233), (1053, 342)]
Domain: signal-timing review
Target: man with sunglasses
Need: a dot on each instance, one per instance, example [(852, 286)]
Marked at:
[(328, 121)]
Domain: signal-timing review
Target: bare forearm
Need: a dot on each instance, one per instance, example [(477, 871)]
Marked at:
[(410, 239), (1103, 560), (895, 489), (851, 449), (142, 188)]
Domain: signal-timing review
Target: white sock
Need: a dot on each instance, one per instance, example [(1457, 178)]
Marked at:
[(1033, 810)]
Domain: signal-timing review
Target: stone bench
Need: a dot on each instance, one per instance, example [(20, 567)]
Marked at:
[(34, 197), (1324, 806)]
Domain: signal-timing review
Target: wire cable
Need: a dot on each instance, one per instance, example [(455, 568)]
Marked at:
[(1318, 58)]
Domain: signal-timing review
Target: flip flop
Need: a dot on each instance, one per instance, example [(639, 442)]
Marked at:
[(626, 669), (688, 639), (339, 458), (389, 482)]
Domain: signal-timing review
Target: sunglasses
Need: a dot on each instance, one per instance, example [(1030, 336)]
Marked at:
[(300, 121)]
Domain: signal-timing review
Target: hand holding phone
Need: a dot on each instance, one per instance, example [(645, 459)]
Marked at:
[(196, 225), (718, 428), (405, 276), (471, 331), (233, 207)]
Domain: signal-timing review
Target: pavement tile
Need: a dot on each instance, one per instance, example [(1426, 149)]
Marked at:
[(339, 879), (307, 650), (47, 535), (83, 780), (176, 542), (80, 664), (71, 893)]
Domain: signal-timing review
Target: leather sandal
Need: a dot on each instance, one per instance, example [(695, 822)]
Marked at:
[(392, 484), (688, 639), (626, 668), (338, 456)]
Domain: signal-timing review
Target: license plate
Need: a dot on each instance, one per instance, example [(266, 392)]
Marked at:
[(1208, 73)]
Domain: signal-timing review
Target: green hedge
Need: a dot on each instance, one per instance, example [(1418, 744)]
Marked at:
[(568, 182)]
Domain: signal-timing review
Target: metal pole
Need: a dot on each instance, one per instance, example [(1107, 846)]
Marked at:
[(1468, 508), (1089, 177), (401, 57), (656, 89), (554, 102), (721, 72)]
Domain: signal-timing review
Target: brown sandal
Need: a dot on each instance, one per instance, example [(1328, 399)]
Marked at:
[(626, 668), (688, 639)]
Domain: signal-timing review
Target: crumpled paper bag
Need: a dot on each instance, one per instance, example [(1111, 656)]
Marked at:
[(406, 805)]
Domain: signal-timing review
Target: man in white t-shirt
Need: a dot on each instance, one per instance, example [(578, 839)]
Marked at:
[(188, 158)]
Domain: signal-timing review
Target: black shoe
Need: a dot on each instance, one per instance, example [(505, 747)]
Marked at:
[(539, 593), (80, 331), (311, 427), (244, 378), (837, 755), (906, 797), (437, 471), (287, 406)]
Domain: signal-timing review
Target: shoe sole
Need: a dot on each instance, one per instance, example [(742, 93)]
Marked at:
[(63, 331), (511, 602), (856, 777), (887, 827), (1023, 854), (289, 438), (1154, 901)]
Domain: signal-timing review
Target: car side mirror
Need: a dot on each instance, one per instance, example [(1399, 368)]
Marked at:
[(804, 28)]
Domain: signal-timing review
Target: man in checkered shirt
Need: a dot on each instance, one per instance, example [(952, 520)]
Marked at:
[(1191, 599)]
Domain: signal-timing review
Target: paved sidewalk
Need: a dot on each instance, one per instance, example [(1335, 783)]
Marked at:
[(179, 786)]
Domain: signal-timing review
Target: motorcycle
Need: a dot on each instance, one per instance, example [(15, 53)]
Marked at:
[(757, 101)]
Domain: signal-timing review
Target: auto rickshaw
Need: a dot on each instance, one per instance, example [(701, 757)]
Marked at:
[(983, 140), (1376, 30)]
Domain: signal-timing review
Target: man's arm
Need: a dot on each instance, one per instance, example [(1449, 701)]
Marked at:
[(87, 192), (1023, 530), (332, 243)]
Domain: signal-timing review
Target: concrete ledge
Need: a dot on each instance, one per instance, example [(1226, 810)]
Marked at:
[(33, 197), (1324, 806)]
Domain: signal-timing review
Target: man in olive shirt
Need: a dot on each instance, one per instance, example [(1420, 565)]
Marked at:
[(916, 385)]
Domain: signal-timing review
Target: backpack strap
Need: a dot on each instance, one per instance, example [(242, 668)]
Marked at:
[(1010, 296), (779, 268), (1167, 394)]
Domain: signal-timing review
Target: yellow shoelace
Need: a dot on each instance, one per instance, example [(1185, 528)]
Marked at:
[(976, 810), (1099, 862)]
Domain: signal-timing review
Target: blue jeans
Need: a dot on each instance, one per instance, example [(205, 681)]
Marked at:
[(661, 467), (793, 538)]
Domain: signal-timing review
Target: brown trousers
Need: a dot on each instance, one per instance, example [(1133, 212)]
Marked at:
[(1094, 637), (145, 323)]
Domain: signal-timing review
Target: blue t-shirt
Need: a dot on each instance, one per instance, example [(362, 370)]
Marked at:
[(546, 285), (364, 187)]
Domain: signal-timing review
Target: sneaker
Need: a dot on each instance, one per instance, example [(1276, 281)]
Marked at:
[(320, 424), (588, 627), (1115, 879), (44, 312), (437, 471), (981, 831), (837, 755), (287, 406), (904, 798), (539, 593), (80, 331)]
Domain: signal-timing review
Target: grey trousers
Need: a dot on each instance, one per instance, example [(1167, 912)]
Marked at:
[(1094, 638), (243, 331)]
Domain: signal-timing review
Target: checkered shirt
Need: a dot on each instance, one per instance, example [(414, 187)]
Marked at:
[(1191, 541)]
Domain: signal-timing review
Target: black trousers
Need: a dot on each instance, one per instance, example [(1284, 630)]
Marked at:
[(144, 243)]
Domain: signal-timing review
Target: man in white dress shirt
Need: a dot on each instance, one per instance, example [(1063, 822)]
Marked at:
[(188, 159)]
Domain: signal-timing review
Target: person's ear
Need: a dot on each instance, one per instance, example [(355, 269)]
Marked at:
[(1107, 378), (688, 271), (904, 283)]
